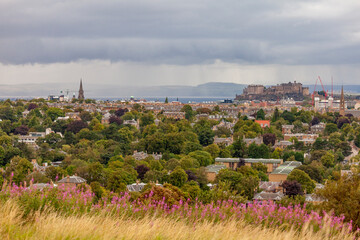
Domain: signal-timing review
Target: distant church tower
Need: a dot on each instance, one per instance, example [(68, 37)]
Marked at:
[(81, 91), (342, 102)]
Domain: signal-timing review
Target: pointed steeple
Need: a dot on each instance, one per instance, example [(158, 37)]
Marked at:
[(81, 91), (342, 102)]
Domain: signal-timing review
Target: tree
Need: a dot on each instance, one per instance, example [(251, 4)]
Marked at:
[(205, 134), (260, 115), (97, 190), (85, 116), (341, 121), (188, 162), (213, 149), (342, 197), (76, 126), (302, 178), (269, 138), (178, 177), (328, 160), (229, 176), (120, 112), (192, 188), (95, 173), (21, 130), (189, 113), (54, 113), (203, 157), (118, 179), (258, 151), (166, 100), (32, 106), (115, 119), (314, 121), (239, 148), (276, 115), (312, 171), (18, 168), (146, 119), (292, 188), (288, 116), (330, 128), (357, 140), (141, 170), (54, 173)]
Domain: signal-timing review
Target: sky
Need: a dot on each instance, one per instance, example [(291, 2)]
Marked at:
[(164, 42)]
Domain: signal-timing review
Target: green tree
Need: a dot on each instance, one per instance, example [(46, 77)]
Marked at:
[(239, 148), (213, 149), (205, 134), (203, 157), (189, 113), (302, 178), (330, 128), (178, 177), (54, 113), (146, 119), (276, 115), (328, 160), (18, 169), (342, 197), (260, 115)]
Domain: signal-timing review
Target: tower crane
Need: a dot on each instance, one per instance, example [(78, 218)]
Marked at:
[(325, 92)]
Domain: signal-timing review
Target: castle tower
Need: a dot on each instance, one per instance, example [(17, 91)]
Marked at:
[(81, 91), (342, 102)]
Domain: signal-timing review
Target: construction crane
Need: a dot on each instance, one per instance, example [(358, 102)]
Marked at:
[(325, 92)]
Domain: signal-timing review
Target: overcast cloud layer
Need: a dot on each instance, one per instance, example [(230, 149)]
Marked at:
[(198, 40)]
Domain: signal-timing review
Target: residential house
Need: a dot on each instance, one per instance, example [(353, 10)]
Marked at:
[(257, 140), (142, 155), (175, 115), (263, 123), (287, 129), (302, 137), (283, 144), (225, 141), (72, 181), (277, 196), (318, 128), (31, 138), (132, 122)]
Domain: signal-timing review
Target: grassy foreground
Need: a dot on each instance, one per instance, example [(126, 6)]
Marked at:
[(50, 225)]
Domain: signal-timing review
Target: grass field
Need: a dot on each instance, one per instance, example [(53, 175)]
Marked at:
[(51, 225)]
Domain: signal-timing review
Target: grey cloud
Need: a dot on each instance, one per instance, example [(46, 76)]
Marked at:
[(179, 32)]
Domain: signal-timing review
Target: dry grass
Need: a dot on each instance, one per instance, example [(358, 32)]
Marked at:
[(53, 226)]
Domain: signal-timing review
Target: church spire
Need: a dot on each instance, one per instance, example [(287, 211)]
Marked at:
[(342, 102), (81, 91)]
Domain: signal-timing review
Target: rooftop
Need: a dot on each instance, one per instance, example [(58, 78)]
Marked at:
[(286, 167), (72, 179), (215, 168), (249, 160)]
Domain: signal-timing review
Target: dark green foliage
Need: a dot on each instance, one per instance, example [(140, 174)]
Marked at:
[(258, 151), (178, 177), (203, 129)]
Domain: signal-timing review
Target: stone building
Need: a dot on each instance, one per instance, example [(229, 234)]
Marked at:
[(285, 90)]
